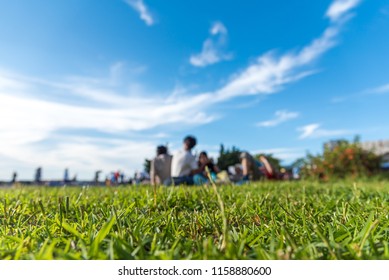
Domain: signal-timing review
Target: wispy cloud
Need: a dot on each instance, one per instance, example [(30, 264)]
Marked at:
[(144, 13), (218, 28), (34, 112), (340, 8), (280, 117), (213, 48), (379, 90), (271, 72), (315, 131), (104, 104)]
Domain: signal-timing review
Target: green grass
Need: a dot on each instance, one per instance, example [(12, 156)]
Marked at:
[(287, 220)]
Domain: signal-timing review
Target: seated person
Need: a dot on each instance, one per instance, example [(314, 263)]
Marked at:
[(235, 172), (160, 167), (184, 164), (267, 169), (250, 168), (202, 176)]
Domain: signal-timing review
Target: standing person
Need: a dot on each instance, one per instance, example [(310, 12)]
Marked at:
[(121, 178), (38, 175), (184, 164), (113, 178), (117, 175), (96, 179), (14, 177), (160, 167), (202, 177), (66, 176)]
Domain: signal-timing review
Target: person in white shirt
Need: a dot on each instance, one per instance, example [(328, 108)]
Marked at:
[(184, 164), (160, 169)]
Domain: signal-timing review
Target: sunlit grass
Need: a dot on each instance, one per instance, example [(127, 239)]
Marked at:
[(287, 220)]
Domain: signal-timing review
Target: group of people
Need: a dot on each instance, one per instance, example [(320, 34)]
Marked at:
[(184, 168)]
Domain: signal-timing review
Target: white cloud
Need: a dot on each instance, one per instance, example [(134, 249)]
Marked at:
[(314, 131), (212, 51), (82, 155), (271, 72), (308, 130), (141, 8), (218, 28), (7, 83), (112, 112), (280, 117), (340, 8), (30, 118)]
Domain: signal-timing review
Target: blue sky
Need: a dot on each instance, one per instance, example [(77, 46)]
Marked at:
[(98, 84)]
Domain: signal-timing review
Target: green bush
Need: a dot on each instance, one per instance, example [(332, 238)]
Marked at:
[(343, 160)]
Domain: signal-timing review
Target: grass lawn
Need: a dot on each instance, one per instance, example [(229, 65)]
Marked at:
[(269, 220)]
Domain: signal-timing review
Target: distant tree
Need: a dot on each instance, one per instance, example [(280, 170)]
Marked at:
[(147, 165), (228, 157)]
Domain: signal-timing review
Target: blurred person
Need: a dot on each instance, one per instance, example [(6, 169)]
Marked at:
[(268, 169), (160, 167), (38, 175), (14, 177), (139, 177), (66, 175), (97, 175), (107, 181), (117, 175), (250, 168), (202, 176), (184, 164), (121, 176), (235, 172), (112, 178)]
